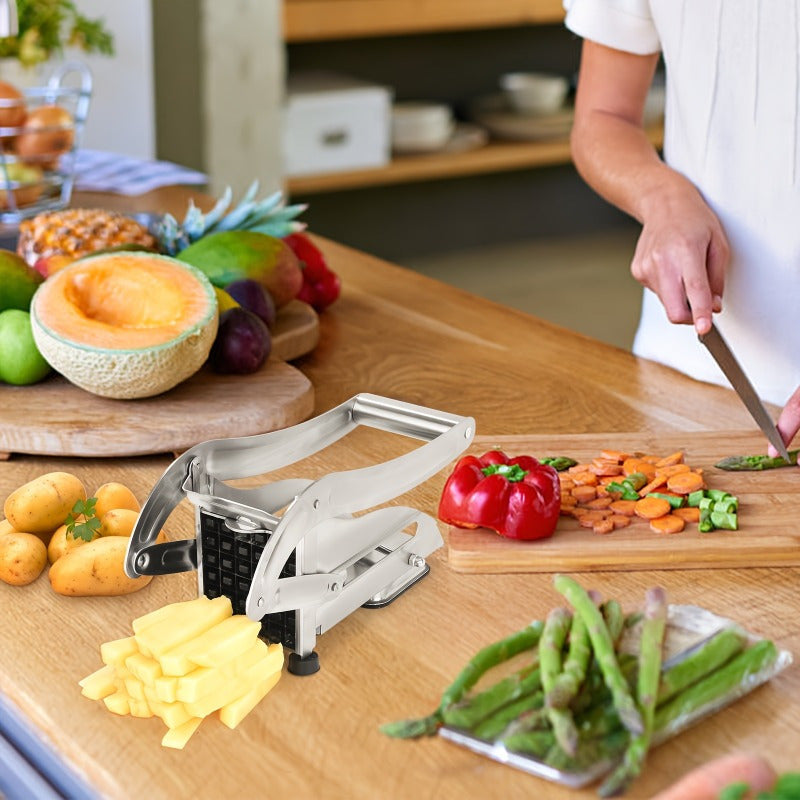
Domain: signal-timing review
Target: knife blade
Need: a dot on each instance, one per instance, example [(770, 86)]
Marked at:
[(724, 356)]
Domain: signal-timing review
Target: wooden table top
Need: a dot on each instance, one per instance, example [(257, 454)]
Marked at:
[(398, 334)]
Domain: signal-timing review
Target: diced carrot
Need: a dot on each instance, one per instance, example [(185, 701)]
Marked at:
[(672, 458), (620, 520), (585, 478), (669, 523), (654, 484), (596, 513), (578, 511), (632, 465), (586, 522), (673, 469), (651, 507), (576, 468), (567, 511), (689, 513), (566, 483), (614, 455), (584, 494), (604, 480), (599, 503), (568, 500), (603, 526), (625, 507), (685, 482), (649, 458)]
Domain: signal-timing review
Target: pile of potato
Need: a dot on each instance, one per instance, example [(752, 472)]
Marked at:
[(34, 532)]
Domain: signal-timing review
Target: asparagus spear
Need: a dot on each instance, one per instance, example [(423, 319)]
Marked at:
[(533, 743), (717, 683), (556, 627), (558, 463), (469, 713), (615, 619), (700, 661), (573, 674), (651, 644), (756, 463), (604, 652), (485, 659), (527, 713)]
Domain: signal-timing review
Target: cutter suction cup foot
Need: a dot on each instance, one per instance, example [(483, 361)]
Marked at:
[(303, 665)]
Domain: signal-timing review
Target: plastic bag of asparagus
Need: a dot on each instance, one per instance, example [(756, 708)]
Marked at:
[(586, 692)]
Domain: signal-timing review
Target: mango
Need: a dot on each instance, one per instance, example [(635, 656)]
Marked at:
[(229, 256), (18, 282)]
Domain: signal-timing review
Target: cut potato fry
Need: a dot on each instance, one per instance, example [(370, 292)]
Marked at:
[(224, 667)]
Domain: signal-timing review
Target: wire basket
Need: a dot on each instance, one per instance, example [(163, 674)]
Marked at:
[(39, 139)]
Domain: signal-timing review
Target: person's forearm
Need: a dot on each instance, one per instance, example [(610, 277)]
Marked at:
[(615, 157)]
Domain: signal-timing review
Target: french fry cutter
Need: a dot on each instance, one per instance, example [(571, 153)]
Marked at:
[(292, 554)]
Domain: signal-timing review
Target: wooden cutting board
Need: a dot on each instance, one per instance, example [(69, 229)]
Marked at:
[(768, 535), (56, 418)]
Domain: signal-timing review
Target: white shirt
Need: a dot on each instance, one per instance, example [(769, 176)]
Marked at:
[(731, 127)]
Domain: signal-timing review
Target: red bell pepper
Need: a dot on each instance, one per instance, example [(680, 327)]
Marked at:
[(517, 497)]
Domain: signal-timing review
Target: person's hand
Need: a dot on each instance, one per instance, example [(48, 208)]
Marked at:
[(682, 254), (788, 421), (707, 781)]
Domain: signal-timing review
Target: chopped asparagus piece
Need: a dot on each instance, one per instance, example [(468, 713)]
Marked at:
[(756, 463)]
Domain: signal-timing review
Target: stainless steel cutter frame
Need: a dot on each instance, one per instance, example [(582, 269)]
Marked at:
[(341, 561)]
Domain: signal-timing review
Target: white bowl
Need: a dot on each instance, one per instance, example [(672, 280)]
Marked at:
[(535, 92), (419, 126)]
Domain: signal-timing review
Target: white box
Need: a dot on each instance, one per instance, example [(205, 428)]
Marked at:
[(334, 122)]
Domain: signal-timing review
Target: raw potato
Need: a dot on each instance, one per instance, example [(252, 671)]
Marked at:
[(114, 495), (22, 558), (95, 569), (225, 669), (41, 505), (118, 522), (62, 543), (6, 527)]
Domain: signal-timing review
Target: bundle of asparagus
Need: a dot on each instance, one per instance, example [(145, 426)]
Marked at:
[(579, 700)]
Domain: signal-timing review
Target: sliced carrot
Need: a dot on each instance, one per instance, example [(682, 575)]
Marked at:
[(620, 520), (669, 523), (654, 484), (585, 478), (606, 470), (614, 455), (566, 483), (596, 513), (568, 511), (685, 482), (672, 458), (673, 469), (689, 513), (599, 503), (576, 468), (625, 507), (632, 465), (649, 458), (651, 507), (603, 526), (568, 500), (584, 494)]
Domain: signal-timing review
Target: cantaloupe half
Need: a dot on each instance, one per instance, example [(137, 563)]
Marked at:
[(125, 324)]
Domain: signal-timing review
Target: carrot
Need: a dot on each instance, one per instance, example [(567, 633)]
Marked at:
[(577, 468), (673, 469), (654, 484), (685, 482), (566, 483), (584, 494), (585, 478), (614, 455), (651, 507), (690, 514), (631, 465), (620, 520), (669, 523), (603, 526), (568, 500), (626, 508), (707, 781), (606, 470), (599, 503), (672, 458)]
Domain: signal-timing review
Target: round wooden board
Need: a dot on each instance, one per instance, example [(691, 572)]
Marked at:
[(58, 419)]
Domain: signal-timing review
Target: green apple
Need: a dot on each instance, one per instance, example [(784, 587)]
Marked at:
[(18, 281), (21, 362)]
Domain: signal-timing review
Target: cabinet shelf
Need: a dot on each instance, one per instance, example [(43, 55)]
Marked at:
[(318, 20), (494, 157)]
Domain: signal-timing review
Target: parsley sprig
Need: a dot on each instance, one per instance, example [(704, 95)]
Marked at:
[(82, 522)]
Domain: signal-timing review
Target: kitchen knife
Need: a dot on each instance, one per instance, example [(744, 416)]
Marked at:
[(724, 356)]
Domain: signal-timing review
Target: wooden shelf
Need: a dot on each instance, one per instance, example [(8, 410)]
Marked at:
[(494, 157), (317, 20)]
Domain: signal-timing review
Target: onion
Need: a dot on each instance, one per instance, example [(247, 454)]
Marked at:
[(12, 106), (49, 131)]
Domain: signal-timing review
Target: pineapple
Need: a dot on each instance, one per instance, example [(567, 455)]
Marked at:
[(57, 237)]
